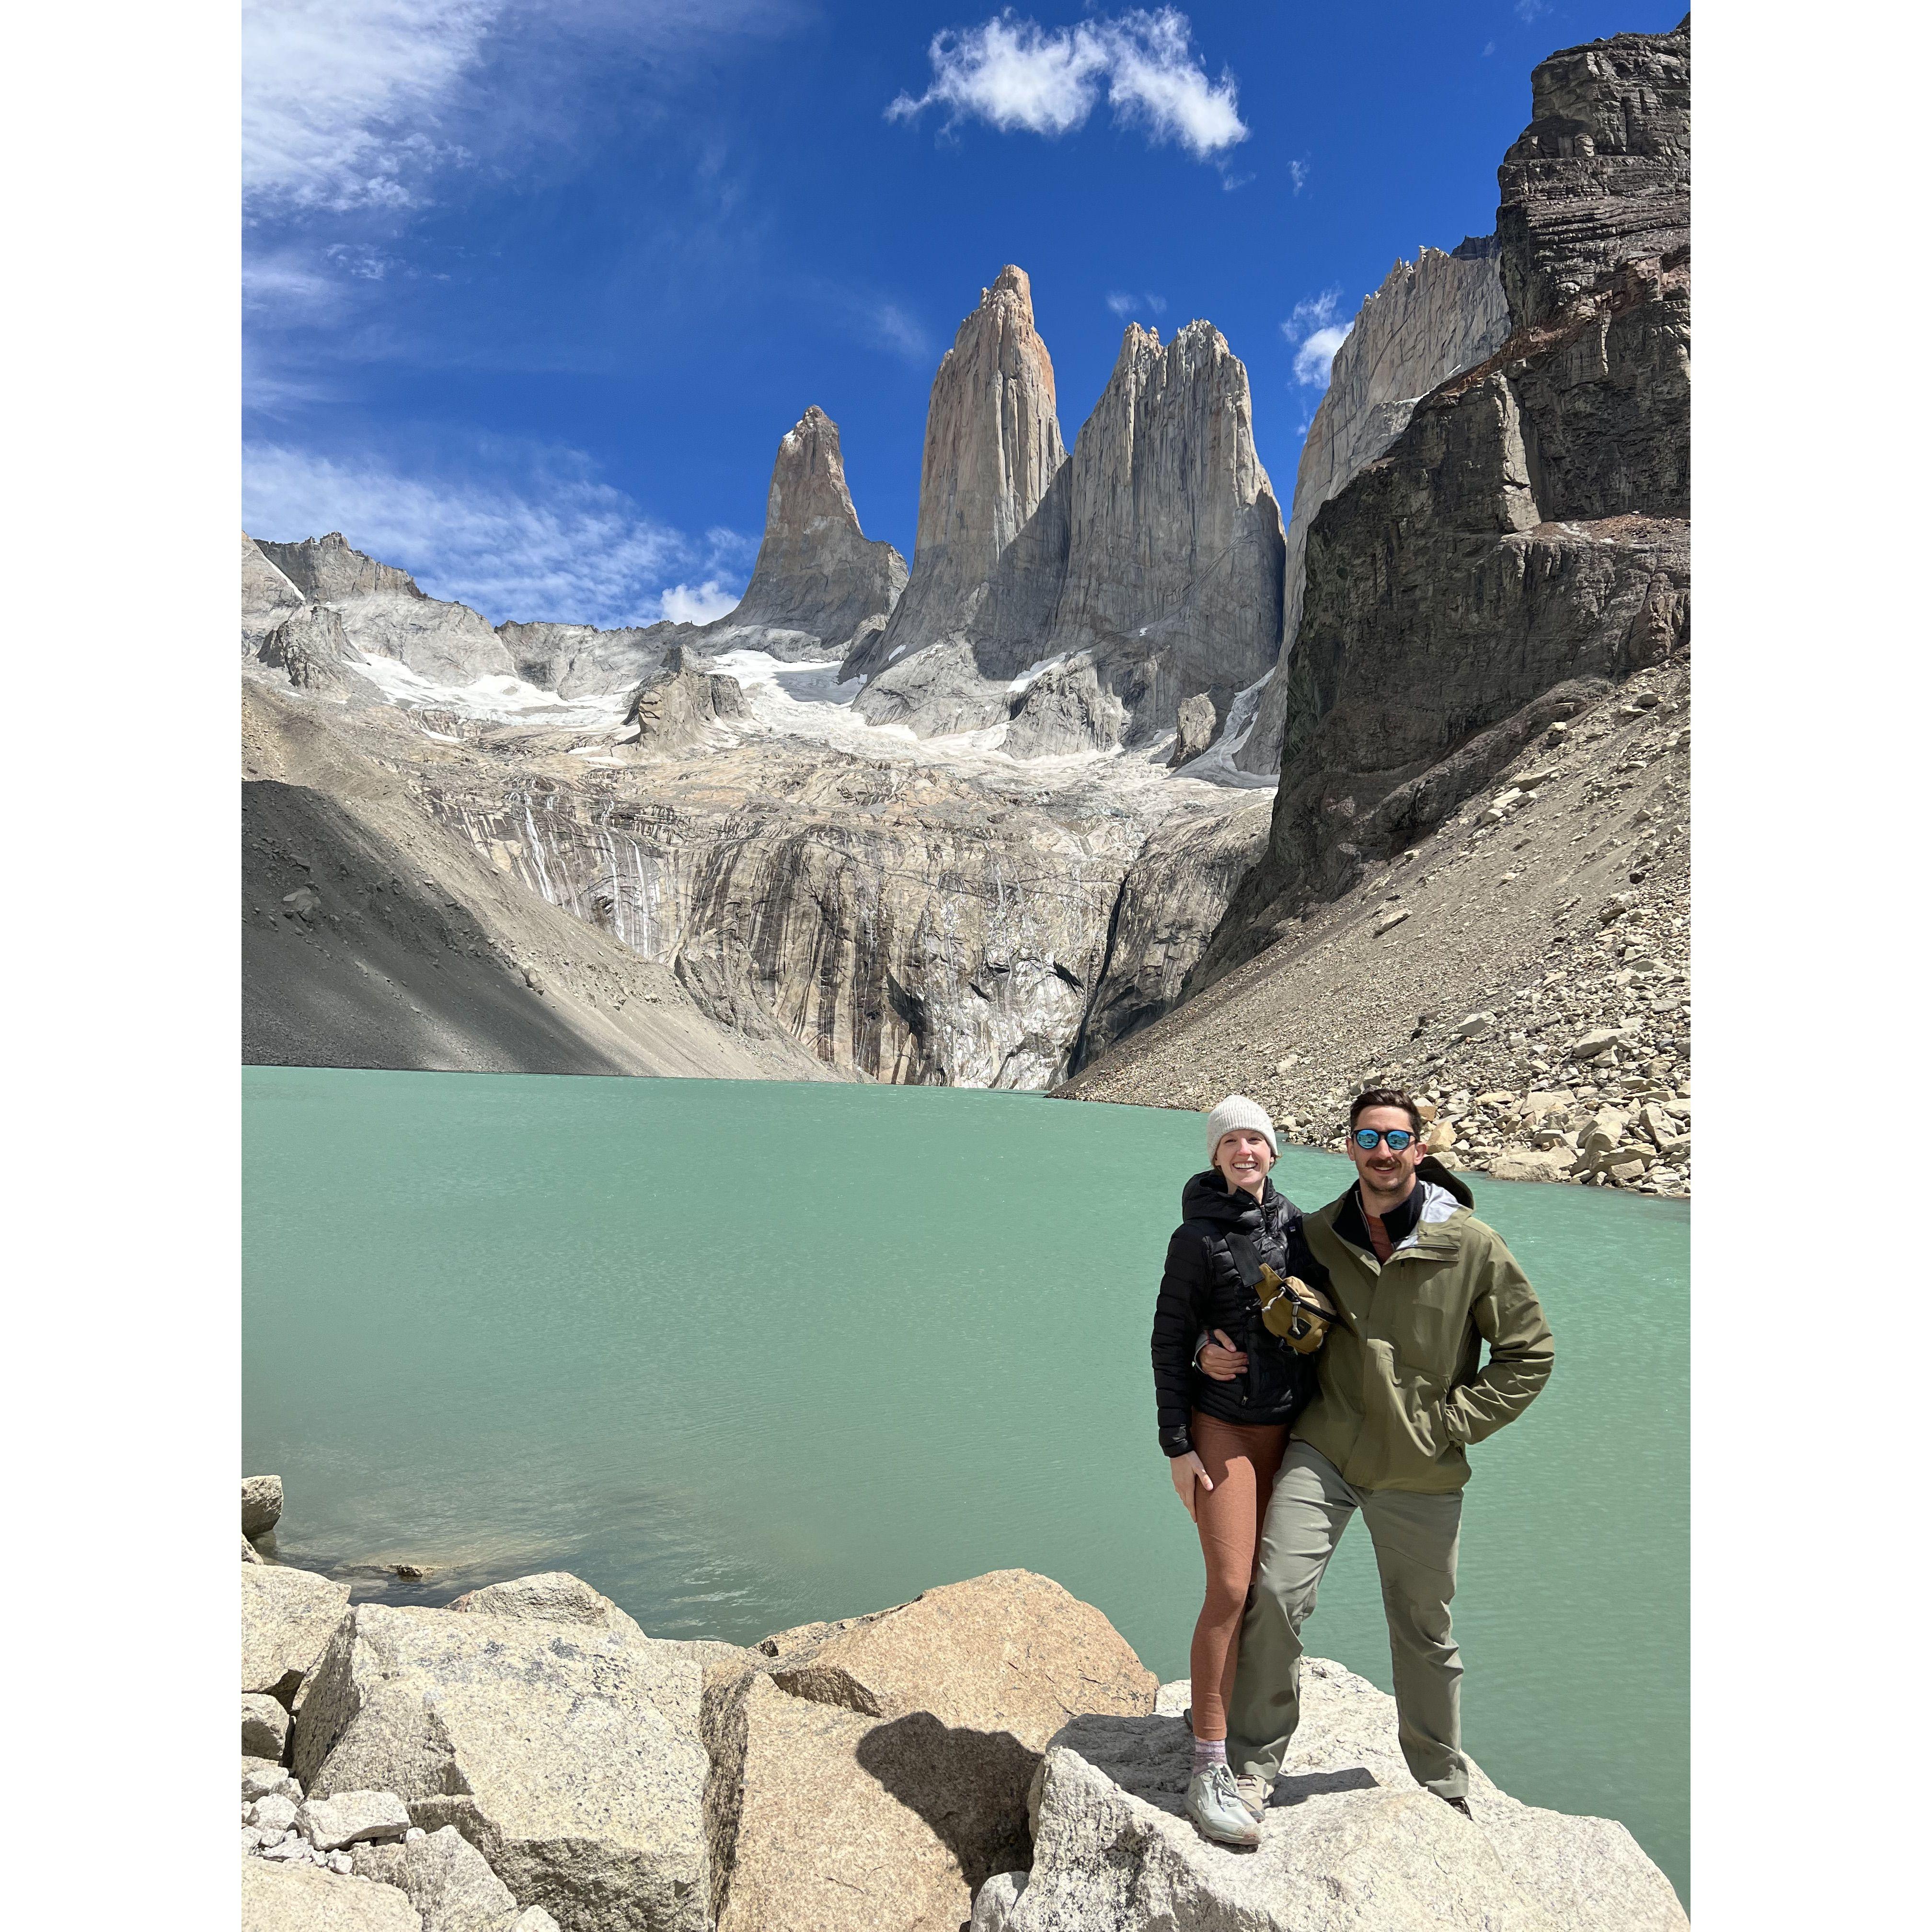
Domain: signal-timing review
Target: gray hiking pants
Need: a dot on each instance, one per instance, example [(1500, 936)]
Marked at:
[(1414, 1538)]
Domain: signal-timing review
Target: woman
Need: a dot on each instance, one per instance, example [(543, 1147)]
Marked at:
[(1224, 1422)]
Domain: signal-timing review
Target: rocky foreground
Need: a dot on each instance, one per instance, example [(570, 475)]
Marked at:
[(528, 1758)]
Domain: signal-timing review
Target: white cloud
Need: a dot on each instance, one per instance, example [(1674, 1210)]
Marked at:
[(1124, 304), (540, 538), (683, 604), (1313, 332), (1312, 358), (1014, 73), (1529, 11), (1297, 173)]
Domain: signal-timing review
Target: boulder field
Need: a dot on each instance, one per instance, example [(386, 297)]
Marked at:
[(527, 1759)]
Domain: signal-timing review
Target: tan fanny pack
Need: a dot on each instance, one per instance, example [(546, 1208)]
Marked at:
[(1300, 1315)]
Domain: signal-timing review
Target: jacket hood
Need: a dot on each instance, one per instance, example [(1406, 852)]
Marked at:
[(1429, 1168), (1206, 1197)]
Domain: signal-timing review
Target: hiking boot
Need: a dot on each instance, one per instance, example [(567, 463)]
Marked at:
[(1215, 1807), (1253, 1793), (1461, 1804)]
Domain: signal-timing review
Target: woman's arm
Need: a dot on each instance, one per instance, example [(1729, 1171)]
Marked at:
[(1176, 1322)]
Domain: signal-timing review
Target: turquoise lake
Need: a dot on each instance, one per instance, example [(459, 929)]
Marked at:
[(746, 1355)]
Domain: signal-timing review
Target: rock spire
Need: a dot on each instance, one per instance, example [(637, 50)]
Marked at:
[(992, 449), (1173, 587), (819, 586)]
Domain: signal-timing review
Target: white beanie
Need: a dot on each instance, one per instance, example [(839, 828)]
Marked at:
[(1238, 1110)]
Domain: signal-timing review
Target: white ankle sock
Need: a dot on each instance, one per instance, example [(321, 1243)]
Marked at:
[(1209, 1751)]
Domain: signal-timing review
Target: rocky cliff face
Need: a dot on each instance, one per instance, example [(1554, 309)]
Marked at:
[(1431, 318), (577, 661), (268, 596), (820, 588), (992, 449), (1529, 527), (385, 615)]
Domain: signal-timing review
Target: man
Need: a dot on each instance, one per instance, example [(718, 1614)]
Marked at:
[(1422, 1285)]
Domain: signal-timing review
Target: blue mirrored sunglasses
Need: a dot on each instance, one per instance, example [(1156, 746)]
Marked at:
[(1398, 1138)]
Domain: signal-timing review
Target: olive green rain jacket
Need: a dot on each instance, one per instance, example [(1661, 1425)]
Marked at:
[(1402, 1389)]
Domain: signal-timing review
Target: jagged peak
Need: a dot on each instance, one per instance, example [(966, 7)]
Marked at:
[(1010, 281)]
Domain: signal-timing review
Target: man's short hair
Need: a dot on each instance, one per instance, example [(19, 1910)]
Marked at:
[(1385, 1096)]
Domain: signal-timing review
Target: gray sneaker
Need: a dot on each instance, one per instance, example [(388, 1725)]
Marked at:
[(1217, 1811), (1253, 1793)]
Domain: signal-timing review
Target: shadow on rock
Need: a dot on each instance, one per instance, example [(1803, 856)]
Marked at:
[(969, 1787)]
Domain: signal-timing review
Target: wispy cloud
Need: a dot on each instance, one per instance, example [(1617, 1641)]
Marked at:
[(1297, 173), (1123, 304), (537, 536), (1013, 74), (894, 329), (341, 100), (1315, 334), (1530, 11)]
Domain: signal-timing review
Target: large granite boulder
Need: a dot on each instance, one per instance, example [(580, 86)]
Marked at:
[(1007, 1651), (819, 586), (552, 1596), (288, 1617), (569, 1755), (446, 1879), (872, 1774), (1350, 1841), (300, 1898), (261, 1504)]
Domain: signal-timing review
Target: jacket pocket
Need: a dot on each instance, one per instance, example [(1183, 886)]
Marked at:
[(1428, 1330), (1403, 1410)]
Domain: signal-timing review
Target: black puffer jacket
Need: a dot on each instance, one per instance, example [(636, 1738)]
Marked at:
[(1202, 1289)]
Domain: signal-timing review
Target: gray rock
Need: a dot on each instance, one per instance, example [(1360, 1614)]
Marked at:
[(1349, 1841), (250, 1554), (1547, 1164), (310, 648), (552, 1596), (301, 1899), (261, 1504), (384, 614), (993, 1903), (532, 1918), (1175, 1699), (445, 1877), (262, 1778), (265, 1727), (1194, 728), (274, 1813), (1598, 1040), (268, 597), (287, 1617), (569, 1756), (349, 1816)]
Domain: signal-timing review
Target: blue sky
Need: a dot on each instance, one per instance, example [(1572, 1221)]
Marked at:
[(532, 290)]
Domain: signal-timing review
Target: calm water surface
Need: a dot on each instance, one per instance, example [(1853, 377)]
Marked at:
[(747, 1354)]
